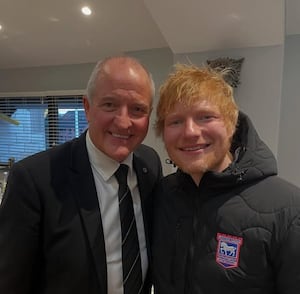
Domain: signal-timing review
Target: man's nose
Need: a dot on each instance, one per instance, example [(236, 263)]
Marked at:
[(191, 128), (122, 118)]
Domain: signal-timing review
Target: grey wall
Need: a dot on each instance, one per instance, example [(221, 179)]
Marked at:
[(259, 93), (289, 134), (36, 79)]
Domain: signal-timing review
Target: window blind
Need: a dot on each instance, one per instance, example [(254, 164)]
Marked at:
[(32, 124)]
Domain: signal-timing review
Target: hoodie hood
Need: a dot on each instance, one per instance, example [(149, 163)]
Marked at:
[(253, 159)]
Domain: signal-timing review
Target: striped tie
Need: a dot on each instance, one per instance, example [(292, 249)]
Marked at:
[(131, 259)]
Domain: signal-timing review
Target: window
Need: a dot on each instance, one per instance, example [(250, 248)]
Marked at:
[(32, 124)]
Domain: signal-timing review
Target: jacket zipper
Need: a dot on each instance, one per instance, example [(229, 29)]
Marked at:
[(199, 200)]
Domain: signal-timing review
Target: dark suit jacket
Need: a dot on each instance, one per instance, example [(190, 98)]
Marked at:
[(51, 238)]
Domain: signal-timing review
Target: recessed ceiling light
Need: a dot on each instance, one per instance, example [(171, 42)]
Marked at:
[(0, 27), (86, 10)]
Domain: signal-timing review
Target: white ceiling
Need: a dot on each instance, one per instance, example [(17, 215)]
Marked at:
[(54, 32)]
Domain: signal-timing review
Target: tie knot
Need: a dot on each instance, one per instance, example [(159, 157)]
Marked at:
[(121, 174)]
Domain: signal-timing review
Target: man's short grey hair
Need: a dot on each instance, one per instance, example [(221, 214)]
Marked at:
[(91, 85)]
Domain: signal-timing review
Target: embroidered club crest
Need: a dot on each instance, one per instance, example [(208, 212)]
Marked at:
[(228, 250)]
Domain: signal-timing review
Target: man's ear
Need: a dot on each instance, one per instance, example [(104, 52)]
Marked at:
[(86, 105)]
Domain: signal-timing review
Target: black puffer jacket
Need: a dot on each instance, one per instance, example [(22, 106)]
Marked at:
[(238, 232)]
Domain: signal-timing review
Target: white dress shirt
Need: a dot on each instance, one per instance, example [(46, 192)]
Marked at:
[(103, 168)]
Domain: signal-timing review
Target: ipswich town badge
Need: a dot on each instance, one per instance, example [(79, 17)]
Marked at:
[(228, 250)]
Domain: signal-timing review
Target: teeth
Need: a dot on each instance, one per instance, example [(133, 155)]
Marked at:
[(121, 136), (191, 149), (194, 148)]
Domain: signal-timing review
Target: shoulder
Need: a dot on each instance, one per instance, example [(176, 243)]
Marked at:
[(273, 193), (146, 155), (146, 161), (143, 150), (57, 155)]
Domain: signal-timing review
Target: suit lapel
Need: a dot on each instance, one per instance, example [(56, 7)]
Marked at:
[(85, 193)]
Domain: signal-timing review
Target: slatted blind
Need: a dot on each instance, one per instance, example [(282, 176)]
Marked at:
[(32, 124)]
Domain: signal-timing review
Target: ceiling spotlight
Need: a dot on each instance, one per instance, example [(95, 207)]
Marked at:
[(0, 27), (86, 10)]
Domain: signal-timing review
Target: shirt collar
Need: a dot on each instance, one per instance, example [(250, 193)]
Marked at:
[(105, 165)]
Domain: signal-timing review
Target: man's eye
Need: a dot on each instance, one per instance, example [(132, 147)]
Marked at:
[(139, 110), (174, 122), (206, 118), (108, 106)]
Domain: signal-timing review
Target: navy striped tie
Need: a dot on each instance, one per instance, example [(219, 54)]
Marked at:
[(131, 259)]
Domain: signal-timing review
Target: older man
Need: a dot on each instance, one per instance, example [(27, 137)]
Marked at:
[(72, 219)]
